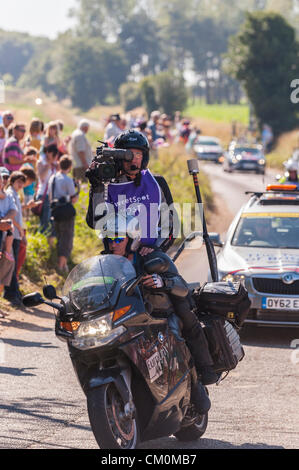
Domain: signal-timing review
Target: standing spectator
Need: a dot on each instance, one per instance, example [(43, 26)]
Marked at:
[(185, 131), (35, 135), (15, 184), (13, 154), (7, 119), (63, 146), (46, 167), (52, 135), (115, 127), (2, 142), (62, 189), (81, 150), (267, 138), (153, 124)]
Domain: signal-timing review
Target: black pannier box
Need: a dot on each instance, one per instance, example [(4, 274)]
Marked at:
[(228, 300), (224, 342)]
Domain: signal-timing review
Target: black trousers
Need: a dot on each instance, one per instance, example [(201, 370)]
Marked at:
[(192, 332), (12, 291)]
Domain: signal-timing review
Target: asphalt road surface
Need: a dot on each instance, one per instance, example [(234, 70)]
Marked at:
[(43, 407)]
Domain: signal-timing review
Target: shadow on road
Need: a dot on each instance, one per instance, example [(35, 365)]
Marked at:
[(268, 337), (172, 443), (17, 372), (28, 344)]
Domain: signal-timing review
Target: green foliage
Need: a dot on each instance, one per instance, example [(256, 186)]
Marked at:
[(148, 94), (219, 112), (130, 96), (166, 91), (263, 56)]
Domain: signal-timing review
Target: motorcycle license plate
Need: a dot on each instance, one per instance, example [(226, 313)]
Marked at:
[(154, 367), (280, 303)]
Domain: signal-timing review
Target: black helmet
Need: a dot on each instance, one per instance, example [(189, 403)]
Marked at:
[(134, 140)]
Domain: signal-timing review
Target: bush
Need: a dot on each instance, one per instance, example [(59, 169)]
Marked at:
[(130, 95)]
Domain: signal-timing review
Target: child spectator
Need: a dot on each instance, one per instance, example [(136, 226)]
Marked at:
[(35, 135), (62, 189), (52, 135)]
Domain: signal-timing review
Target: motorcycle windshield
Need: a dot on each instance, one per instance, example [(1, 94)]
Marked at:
[(95, 283)]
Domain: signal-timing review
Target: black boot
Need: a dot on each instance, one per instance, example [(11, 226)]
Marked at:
[(208, 375), (200, 398)]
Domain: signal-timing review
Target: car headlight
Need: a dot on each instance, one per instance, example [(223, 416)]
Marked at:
[(262, 161), (233, 278), (96, 333), (239, 157)]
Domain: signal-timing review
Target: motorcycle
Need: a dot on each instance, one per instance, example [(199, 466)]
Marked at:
[(133, 365), (123, 356)]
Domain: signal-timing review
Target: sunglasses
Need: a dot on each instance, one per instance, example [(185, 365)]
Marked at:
[(115, 240)]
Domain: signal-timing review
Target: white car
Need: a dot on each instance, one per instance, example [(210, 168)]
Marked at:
[(262, 251), (208, 148)]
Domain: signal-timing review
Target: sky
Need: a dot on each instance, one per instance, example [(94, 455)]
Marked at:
[(37, 17)]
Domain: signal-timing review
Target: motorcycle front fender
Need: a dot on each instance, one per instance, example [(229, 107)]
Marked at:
[(106, 376)]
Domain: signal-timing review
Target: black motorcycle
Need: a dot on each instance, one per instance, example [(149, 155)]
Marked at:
[(135, 369)]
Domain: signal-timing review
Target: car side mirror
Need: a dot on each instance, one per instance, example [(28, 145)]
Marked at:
[(156, 266), (33, 300)]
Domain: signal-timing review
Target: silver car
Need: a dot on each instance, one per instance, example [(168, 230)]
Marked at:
[(262, 251)]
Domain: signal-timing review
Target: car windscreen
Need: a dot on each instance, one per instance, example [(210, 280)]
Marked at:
[(247, 150), (267, 230), (207, 142)]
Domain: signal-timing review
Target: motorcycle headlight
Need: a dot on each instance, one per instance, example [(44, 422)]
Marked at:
[(96, 333), (233, 278)]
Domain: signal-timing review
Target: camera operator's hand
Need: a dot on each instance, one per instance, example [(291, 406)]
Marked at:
[(92, 174)]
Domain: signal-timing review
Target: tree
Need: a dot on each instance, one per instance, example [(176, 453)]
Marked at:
[(130, 95), (263, 56), (166, 91)]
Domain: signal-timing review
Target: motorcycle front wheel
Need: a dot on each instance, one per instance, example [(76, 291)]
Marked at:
[(109, 423), (195, 431)]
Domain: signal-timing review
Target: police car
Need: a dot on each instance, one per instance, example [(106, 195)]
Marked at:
[(262, 251)]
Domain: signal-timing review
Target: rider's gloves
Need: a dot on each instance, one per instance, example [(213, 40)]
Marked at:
[(158, 281)]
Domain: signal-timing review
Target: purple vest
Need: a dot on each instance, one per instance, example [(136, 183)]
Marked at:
[(142, 202)]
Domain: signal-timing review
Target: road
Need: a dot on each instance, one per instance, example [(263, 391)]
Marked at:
[(43, 407)]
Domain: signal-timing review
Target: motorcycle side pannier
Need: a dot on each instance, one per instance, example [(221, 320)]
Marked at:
[(228, 300), (224, 342)]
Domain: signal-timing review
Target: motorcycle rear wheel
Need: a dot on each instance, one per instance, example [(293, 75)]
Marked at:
[(111, 428), (193, 432)]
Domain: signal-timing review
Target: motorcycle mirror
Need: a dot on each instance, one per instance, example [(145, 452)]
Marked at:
[(33, 300), (156, 266), (50, 292)]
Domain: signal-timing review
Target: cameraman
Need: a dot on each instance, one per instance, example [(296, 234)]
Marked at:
[(135, 182)]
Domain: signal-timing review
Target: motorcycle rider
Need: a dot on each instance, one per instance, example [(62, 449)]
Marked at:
[(158, 289), (151, 189)]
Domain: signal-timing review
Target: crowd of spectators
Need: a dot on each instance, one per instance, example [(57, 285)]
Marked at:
[(34, 167), (161, 130)]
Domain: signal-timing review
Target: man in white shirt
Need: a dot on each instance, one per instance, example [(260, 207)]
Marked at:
[(114, 128), (81, 150)]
